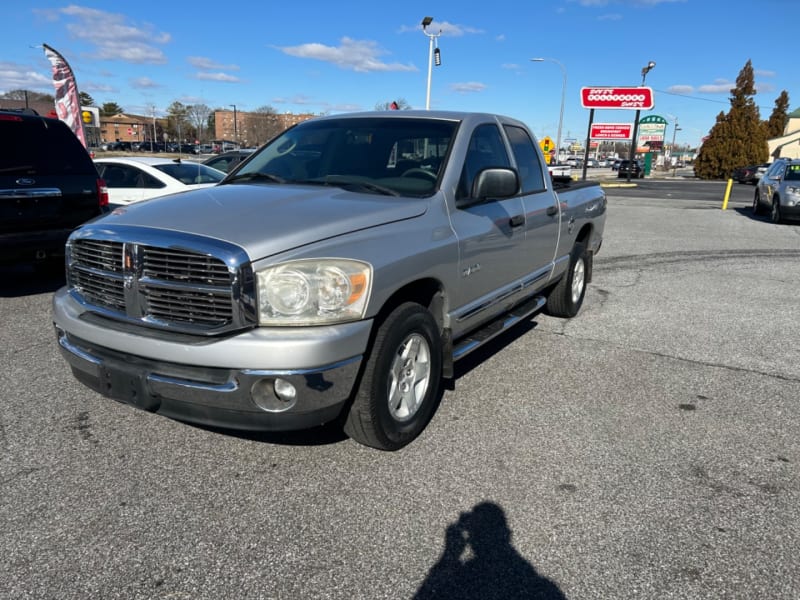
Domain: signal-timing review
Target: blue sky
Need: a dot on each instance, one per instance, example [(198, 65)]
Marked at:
[(334, 57)]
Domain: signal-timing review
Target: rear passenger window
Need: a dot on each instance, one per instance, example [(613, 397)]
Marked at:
[(528, 163)]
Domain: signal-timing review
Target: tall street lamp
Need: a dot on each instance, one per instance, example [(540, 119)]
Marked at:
[(235, 130), (632, 155), (563, 96), (431, 52), (672, 148)]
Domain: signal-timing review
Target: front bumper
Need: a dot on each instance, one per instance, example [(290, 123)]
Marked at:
[(228, 382)]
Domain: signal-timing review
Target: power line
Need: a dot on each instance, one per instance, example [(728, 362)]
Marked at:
[(728, 102)]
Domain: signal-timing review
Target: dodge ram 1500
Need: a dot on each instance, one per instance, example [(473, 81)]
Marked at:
[(336, 275)]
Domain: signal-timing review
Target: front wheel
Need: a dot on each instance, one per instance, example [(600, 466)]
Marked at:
[(756, 204), (566, 298), (776, 211), (399, 386)]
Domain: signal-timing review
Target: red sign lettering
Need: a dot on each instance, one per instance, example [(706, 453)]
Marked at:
[(627, 97)]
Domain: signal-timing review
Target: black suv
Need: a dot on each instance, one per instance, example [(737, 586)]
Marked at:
[(634, 167), (48, 186)]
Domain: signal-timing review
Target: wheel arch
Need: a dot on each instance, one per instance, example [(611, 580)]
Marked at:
[(584, 237)]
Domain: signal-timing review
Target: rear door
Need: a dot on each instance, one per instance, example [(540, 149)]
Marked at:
[(539, 203)]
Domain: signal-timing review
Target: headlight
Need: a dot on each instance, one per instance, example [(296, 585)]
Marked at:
[(313, 292)]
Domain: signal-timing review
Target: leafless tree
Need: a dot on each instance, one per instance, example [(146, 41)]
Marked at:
[(198, 116)]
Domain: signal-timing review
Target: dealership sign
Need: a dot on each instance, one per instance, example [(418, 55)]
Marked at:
[(611, 131), (624, 97)]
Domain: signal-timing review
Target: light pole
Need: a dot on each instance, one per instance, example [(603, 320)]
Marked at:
[(431, 38), (235, 131), (672, 149), (563, 96), (632, 155)]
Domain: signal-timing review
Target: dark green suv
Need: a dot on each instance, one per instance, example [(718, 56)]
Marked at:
[(48, 186)]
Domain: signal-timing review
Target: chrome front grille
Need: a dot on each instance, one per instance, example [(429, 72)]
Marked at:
[(99, 273), (193, 290), (185, 267)]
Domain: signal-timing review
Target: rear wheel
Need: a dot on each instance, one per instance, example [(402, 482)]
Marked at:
[(566, 297), (399, 387)]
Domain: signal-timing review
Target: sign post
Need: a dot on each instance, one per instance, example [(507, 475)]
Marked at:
[(636, 98)]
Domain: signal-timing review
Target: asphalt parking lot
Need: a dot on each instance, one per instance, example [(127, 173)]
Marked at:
[(647, 448)]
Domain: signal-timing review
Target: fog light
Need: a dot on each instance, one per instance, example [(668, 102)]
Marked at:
[(275, 395), (285, 390)]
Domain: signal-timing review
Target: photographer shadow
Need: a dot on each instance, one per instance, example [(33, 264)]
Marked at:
[(479, 562)]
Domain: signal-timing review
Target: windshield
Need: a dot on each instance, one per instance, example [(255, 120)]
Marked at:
[(191, 173), (395, 156), (792, 172)]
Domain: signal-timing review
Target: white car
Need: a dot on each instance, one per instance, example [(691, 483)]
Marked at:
[(132, 179)]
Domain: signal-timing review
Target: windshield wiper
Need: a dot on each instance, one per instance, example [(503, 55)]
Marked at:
[(345, 184), (256, 177), (366, 185)]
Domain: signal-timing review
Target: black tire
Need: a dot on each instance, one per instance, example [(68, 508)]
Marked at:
[(399, 386), (776, 211), (756, 204), (566, 298)]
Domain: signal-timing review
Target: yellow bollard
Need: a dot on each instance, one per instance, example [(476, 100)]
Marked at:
[(727, 194)]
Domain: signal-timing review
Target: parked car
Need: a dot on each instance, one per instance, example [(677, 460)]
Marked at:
[(632, 167), (750, 173), (592, 163), (228, 160), (779, 190), (48, 186), (575, 161), (131, 179)]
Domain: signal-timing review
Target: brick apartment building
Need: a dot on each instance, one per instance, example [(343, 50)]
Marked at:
[(253, 129)]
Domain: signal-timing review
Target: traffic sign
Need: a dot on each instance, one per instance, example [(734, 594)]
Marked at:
[(625, 97), (611, 131), (546, 144)]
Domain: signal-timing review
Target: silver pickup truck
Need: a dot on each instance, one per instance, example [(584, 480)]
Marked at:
[(335, 276)]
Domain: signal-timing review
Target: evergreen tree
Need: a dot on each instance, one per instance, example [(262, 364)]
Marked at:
[(109, 109), (177, 124), (738, 138), (777, 120), (86, 99)]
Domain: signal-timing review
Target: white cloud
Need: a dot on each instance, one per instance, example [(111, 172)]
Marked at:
[(144, 83), (681, 89), (223, 77), (447, 29), (356, 55), (98, 87), (114, 38), (201, 62), (468, 87), (14, 76), (720, 86)]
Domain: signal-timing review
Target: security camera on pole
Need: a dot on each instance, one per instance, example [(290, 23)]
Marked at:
[(632, 156)]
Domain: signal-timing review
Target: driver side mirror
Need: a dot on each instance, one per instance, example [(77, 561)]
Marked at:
[(494, 182)]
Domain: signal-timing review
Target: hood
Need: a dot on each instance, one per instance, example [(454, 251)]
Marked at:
[(266, 219)]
